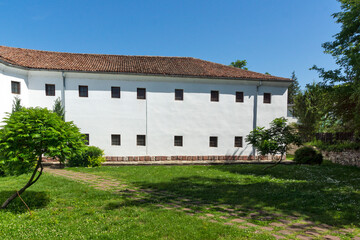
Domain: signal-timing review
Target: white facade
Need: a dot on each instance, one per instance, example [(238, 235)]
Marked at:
[(160, 117)]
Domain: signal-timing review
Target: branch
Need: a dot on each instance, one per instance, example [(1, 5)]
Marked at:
[(275, 163)]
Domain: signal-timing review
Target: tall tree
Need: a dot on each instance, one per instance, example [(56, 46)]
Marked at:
[(310, 108), (293, 89), (239, 64), (344, 82)]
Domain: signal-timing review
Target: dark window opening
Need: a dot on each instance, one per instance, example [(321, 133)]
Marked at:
[(267, 97), (238, 141), (50, 89), (141, 93), (115, 140), (179, 94), (83, 91), (15, 87), (214, 96), (213, 142), (239, 96), (178, 141), (115, 92), (141, 140)]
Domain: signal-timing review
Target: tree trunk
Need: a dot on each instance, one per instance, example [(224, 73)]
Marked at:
[(28, 184), (281, 157)]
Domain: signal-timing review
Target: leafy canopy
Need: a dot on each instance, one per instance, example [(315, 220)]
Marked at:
[(239, 64), (344, 83), (275, 139), (311, 110), (32, 132)]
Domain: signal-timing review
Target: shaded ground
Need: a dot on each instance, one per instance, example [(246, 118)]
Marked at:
[(225, 201)]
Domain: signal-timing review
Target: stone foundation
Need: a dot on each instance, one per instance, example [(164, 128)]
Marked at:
[(349, 158), (185, 158), (158, 160)]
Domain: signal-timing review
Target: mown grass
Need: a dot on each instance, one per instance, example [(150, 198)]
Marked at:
[(65, 209), (328, 193)]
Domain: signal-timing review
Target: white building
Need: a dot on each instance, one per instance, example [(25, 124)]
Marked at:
[(147, 108)]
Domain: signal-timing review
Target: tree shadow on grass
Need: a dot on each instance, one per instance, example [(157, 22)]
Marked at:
[(34, 199), (252, 200)]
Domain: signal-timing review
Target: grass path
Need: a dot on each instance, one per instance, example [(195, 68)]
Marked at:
[(259, 221)]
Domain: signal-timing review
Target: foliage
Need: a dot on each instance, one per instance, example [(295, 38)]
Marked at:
[(91, 156), (310, 108), (16, 105), (344, 82), (339, 146), (239, 64), (294, 89), (30, 134), (275, 139), (308, 155), (58, 108), (34, 132)]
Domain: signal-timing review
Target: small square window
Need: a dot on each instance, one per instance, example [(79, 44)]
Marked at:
[(50, 89), (213, 142), (214, 96), (115, 140), (238, 142), (83, 91), (141, 93), (15, 87), (87, 139), (178, 141), (115, 92), (141, 140), (179, 94), (239, 96), (267, 97)]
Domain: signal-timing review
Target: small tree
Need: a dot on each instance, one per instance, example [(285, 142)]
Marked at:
[(58, 108), (273, 140), (32, 133), (16, 105), (239, 64)]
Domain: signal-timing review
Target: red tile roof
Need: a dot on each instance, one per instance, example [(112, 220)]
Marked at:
[(147, 65)]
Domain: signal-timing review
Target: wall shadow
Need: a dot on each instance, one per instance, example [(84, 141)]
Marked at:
[(34, 199)]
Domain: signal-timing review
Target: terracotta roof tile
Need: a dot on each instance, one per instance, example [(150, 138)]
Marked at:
[(147, 65)]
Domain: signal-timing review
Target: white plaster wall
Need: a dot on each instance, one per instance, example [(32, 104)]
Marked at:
[(197, 118), (6, 97), (278, 106), (37, 94), (159, 117)]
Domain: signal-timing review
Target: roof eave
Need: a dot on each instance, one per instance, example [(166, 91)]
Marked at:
[(142, 74)]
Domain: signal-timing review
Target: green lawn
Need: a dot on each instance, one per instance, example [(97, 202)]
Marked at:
[(326, 194)]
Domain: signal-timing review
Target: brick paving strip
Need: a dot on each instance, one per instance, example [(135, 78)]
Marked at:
[(280, 226)]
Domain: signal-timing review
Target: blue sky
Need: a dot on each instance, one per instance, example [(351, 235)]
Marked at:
[(275, 36)]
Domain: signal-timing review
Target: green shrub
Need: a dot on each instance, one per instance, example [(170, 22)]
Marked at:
[(308, 155), (339, 146), (91, 156)]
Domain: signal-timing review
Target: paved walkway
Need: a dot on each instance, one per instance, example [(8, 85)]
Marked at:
[(281, 226)]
